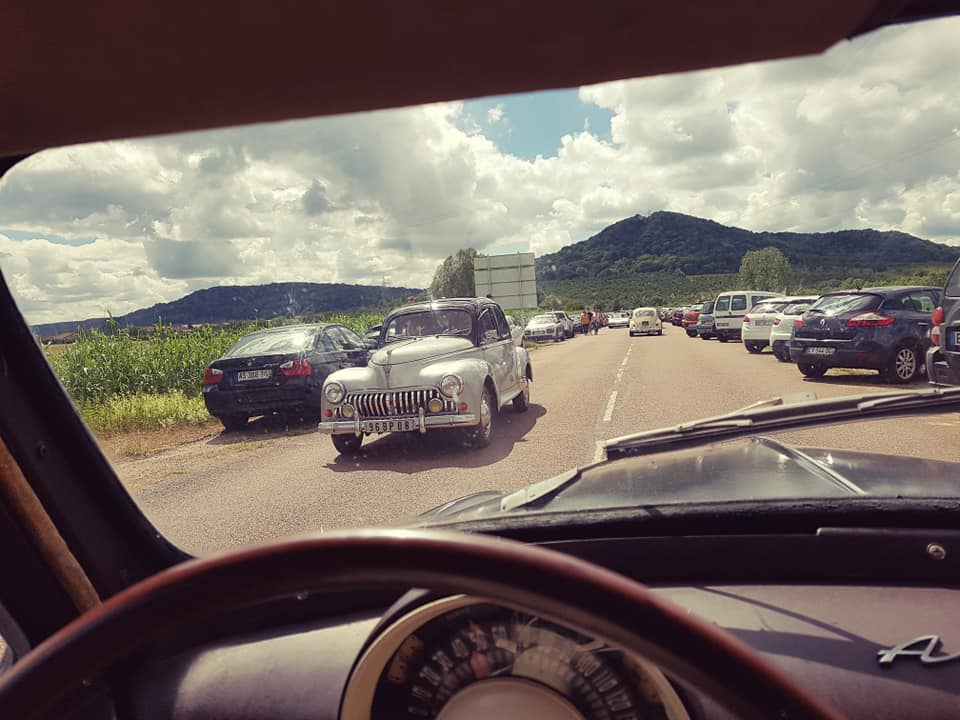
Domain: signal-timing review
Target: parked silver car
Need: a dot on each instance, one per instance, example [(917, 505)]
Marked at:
[(444, 364), (547, 326)]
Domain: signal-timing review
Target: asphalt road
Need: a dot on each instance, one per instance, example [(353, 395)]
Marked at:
[(274, 479)]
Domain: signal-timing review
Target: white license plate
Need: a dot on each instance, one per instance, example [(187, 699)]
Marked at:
[(955, 334), (820, 351), (254, 375), (722, 323), (384, 426), (764, 323)]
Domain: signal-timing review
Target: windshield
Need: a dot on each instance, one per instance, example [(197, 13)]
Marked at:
[(769, 307), (428, 322), (141, 265), (840, 304), (270, 343)]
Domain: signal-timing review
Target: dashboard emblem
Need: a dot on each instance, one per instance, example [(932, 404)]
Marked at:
[(922, 647)]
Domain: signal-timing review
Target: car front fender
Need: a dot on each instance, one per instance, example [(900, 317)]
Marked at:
[(523, 362)]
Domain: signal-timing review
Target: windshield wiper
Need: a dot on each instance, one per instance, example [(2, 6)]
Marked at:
[(397, 338), (788, 412)]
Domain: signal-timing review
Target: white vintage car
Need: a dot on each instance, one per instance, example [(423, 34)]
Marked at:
[(444, 364)]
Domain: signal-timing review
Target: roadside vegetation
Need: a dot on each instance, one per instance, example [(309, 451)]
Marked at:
[(124, 380)]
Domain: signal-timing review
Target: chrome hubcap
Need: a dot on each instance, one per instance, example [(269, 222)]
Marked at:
[(485, 417), (906, 364)]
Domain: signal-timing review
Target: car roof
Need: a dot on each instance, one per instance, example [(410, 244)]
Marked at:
[(470, 304), (884, 290), (107, 70)]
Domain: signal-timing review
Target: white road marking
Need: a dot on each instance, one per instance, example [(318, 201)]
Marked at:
[(598, 454), (619, 375), (608, 413), (625, 358)]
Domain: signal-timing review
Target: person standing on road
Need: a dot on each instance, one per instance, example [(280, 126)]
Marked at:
[(585, 321)]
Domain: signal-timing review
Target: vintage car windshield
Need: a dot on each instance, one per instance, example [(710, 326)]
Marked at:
[(429, 322), (444, 250)]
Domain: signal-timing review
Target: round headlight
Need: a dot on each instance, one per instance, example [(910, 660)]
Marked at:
[(451, 385), (334, 392)]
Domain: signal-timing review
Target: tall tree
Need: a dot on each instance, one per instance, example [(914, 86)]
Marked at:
[(765, 269), (454, 276)]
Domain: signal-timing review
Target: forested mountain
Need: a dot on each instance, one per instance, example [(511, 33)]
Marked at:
[(228, 303), (671, 242)]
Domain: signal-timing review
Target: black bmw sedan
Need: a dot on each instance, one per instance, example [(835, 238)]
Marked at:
[(278, 370)]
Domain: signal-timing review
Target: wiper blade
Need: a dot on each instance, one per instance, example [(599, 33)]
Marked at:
[(788, 412), (398, 338)]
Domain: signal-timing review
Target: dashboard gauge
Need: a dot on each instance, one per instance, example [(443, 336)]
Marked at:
[(473, 659)]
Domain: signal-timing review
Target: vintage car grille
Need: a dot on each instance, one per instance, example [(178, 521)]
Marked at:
[(396, 403)]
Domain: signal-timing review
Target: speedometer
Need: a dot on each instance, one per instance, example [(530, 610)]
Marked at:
[(474, 659)]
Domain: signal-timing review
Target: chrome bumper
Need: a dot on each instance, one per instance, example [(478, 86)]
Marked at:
[(352, 427)]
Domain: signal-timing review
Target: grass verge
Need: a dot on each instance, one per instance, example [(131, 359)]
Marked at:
[(126, 413)]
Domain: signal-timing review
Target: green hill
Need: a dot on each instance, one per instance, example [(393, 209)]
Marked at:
[(237, 303), (673, 242)]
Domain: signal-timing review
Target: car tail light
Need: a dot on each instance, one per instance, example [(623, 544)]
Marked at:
[(211, 376), (937, 317), (746, 318), (296, 368), (869, 319), (935, 335), (776, 321), (798, 323)]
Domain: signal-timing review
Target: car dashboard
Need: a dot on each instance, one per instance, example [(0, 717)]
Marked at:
[(422, 655)]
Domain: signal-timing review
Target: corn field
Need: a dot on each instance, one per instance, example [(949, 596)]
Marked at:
[(99, 366)]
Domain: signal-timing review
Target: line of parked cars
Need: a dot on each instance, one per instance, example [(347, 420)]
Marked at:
[(903, 332), (457, 361)]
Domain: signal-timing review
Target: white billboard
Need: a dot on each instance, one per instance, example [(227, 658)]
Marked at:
[(511, 280)]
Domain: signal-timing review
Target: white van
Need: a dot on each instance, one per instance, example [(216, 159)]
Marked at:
[(730, 307)]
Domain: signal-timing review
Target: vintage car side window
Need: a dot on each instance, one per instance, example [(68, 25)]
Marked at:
[(488, 329), (502, 323), (739, 302)]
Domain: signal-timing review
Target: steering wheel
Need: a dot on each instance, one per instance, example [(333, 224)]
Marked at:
[(562, 588)]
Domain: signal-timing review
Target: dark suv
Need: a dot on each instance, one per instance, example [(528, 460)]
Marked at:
[(943, 357), (885, 329)]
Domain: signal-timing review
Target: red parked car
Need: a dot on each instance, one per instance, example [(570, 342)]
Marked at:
[(690, 318)]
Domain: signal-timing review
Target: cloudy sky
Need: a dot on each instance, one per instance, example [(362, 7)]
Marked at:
[(867, 135)]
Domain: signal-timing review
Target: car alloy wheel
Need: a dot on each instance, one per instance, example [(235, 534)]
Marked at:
[(812, 370), (904, 365), (480, 434)]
